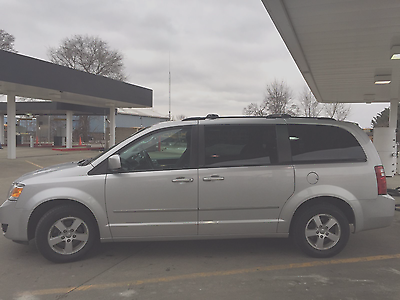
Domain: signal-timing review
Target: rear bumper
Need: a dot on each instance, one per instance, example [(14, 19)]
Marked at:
[(375, 213)]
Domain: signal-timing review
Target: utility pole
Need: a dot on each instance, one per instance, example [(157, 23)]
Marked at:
[(169, 90)]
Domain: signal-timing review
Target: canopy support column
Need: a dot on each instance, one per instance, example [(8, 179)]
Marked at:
[(393, 113), (68, 131), (11, 127), (1, 129), (394, 107), (112, 126)]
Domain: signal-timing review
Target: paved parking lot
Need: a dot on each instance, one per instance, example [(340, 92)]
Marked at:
[(368, 268)]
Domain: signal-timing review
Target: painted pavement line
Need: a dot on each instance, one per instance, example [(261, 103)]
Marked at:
[(210, 274), (29, 162)]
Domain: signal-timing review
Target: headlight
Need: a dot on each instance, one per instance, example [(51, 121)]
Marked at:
[(15, 191)]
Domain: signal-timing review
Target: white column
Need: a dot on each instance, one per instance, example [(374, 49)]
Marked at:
[(1, 129), (11, 128), (49, 129), (112, 126), (394, 105), (68, 131), (37, 139), (393, 113)]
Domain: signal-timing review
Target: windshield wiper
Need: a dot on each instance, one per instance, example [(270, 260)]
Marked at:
[(84, 162)]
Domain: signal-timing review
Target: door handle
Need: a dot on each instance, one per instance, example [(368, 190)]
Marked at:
[(213, 178), (182, 179)]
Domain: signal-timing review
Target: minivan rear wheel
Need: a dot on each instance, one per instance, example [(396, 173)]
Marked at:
[(321, 231), (65, 233)]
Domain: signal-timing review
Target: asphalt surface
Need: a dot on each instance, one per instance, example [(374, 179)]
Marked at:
[(368, 268)]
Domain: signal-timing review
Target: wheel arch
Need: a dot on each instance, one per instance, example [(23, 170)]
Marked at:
[(44, 207), (339, 203)]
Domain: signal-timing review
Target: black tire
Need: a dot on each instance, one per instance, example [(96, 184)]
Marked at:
[(321, 231), (66, 233)]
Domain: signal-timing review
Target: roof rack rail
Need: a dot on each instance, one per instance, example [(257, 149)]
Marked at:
[(215, 116), (272, 116), (212, 116), (282, 116), (209, 116), (193, 119)]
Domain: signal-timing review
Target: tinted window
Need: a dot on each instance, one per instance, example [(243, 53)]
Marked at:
[(245, 145), (319, 143), (162, 150)]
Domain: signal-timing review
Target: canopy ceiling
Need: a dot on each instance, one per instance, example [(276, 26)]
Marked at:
[(340, 46), (33, 78)]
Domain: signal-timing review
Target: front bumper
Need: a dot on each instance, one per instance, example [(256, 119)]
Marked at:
[(14, 221)]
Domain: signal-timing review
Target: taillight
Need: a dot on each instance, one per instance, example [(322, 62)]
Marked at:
[(381, 180)]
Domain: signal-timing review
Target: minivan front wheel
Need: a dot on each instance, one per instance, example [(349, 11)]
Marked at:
[(65, 233), (321, 231)]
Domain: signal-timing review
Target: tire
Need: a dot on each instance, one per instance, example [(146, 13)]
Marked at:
[(321, 231), (66, 233)]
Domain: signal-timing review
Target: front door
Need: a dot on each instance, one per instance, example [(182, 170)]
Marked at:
[(156, 191)]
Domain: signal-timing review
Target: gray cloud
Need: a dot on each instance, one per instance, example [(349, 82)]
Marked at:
[(221, 53)]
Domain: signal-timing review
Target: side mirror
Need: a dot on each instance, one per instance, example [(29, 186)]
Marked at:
[(114, 162)]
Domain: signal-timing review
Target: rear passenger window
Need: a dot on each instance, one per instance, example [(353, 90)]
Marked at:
[(244, 145), (323, 144)]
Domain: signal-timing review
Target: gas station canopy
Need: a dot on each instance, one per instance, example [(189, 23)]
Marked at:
[(78, 91), (343, 48), (33, 78), (348, 51)]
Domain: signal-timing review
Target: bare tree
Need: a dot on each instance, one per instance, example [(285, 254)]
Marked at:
[(277, 100), (308, 104), (382, 118), (7, 44), (89, 54), (337, 110), (254, 110), (7, 41)]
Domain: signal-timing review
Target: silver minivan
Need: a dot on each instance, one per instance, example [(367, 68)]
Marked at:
[(315, 180)]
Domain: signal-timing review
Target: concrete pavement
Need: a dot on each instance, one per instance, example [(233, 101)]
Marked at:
[(367, 269)]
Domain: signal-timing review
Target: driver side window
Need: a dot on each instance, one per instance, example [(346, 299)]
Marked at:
[(162, 150)]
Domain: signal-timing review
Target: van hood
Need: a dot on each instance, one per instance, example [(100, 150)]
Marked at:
[(64, 169)]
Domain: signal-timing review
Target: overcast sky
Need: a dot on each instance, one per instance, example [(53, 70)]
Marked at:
[(221, 53)]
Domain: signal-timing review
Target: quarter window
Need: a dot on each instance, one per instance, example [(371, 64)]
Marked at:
[(323, 144), (244, 145)]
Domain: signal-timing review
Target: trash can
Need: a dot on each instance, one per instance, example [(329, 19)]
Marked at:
[(58, 140), (19, 140)]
